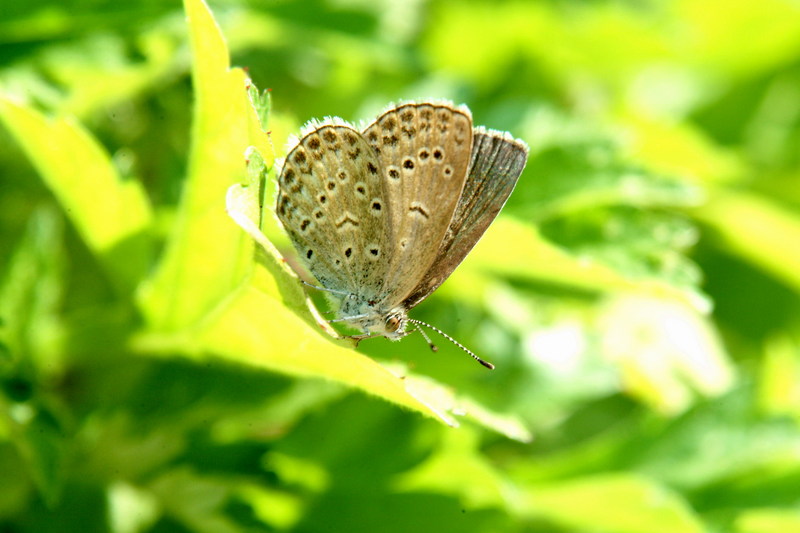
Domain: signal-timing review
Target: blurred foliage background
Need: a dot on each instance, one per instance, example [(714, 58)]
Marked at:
[(639, 293)]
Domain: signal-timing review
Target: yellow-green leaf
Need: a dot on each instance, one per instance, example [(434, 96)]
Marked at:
[(613, 503), (207, 256), (111, 214)]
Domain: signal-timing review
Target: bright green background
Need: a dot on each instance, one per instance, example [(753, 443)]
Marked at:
[(159, 372)]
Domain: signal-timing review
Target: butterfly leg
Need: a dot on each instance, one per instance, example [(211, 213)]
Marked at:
[(304, 282), (366, 335), (345, 318), (357, 338)]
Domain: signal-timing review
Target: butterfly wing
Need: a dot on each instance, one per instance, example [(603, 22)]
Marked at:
[(424, 149), (497, 162), (330, 201)]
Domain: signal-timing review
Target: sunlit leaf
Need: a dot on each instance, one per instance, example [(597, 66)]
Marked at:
[(758, 231), (780, 378), (111, 214), (456, 469), (206, 255), (612, 504), (273, 324), (768, 521)]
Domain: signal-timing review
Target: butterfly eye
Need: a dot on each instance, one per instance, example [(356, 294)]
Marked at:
[(392, 324)]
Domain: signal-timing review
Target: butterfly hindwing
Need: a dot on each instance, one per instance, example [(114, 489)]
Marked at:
[(331, 202)]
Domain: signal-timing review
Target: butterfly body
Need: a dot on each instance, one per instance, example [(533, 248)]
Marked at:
[(381, 217), (373, 318)]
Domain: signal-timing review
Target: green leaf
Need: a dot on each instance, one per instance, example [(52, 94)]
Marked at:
[(44, 444), (532, 257), (206, 255), (270, 322), (13, 496), (262, 102), (759, 231), (112, 215), (193, 500), (768, 521), (573, 176), (598, 206), (455, 468), (779, 382), (613, 503), (31, 295)]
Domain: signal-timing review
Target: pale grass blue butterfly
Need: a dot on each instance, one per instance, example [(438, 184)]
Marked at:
[(381, 217)]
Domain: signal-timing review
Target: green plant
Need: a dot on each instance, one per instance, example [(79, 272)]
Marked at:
[(160, 371)]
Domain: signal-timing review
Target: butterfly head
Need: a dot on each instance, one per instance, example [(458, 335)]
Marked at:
[(374, 317), (394, 324)]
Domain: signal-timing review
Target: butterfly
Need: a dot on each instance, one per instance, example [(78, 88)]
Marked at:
[(382, 217)]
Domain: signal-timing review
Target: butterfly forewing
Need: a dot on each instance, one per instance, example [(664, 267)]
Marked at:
[(424, 151), (331, 202), (497, 162)]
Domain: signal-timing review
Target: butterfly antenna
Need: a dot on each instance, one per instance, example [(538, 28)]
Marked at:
[(418, 323), (434, 348)]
